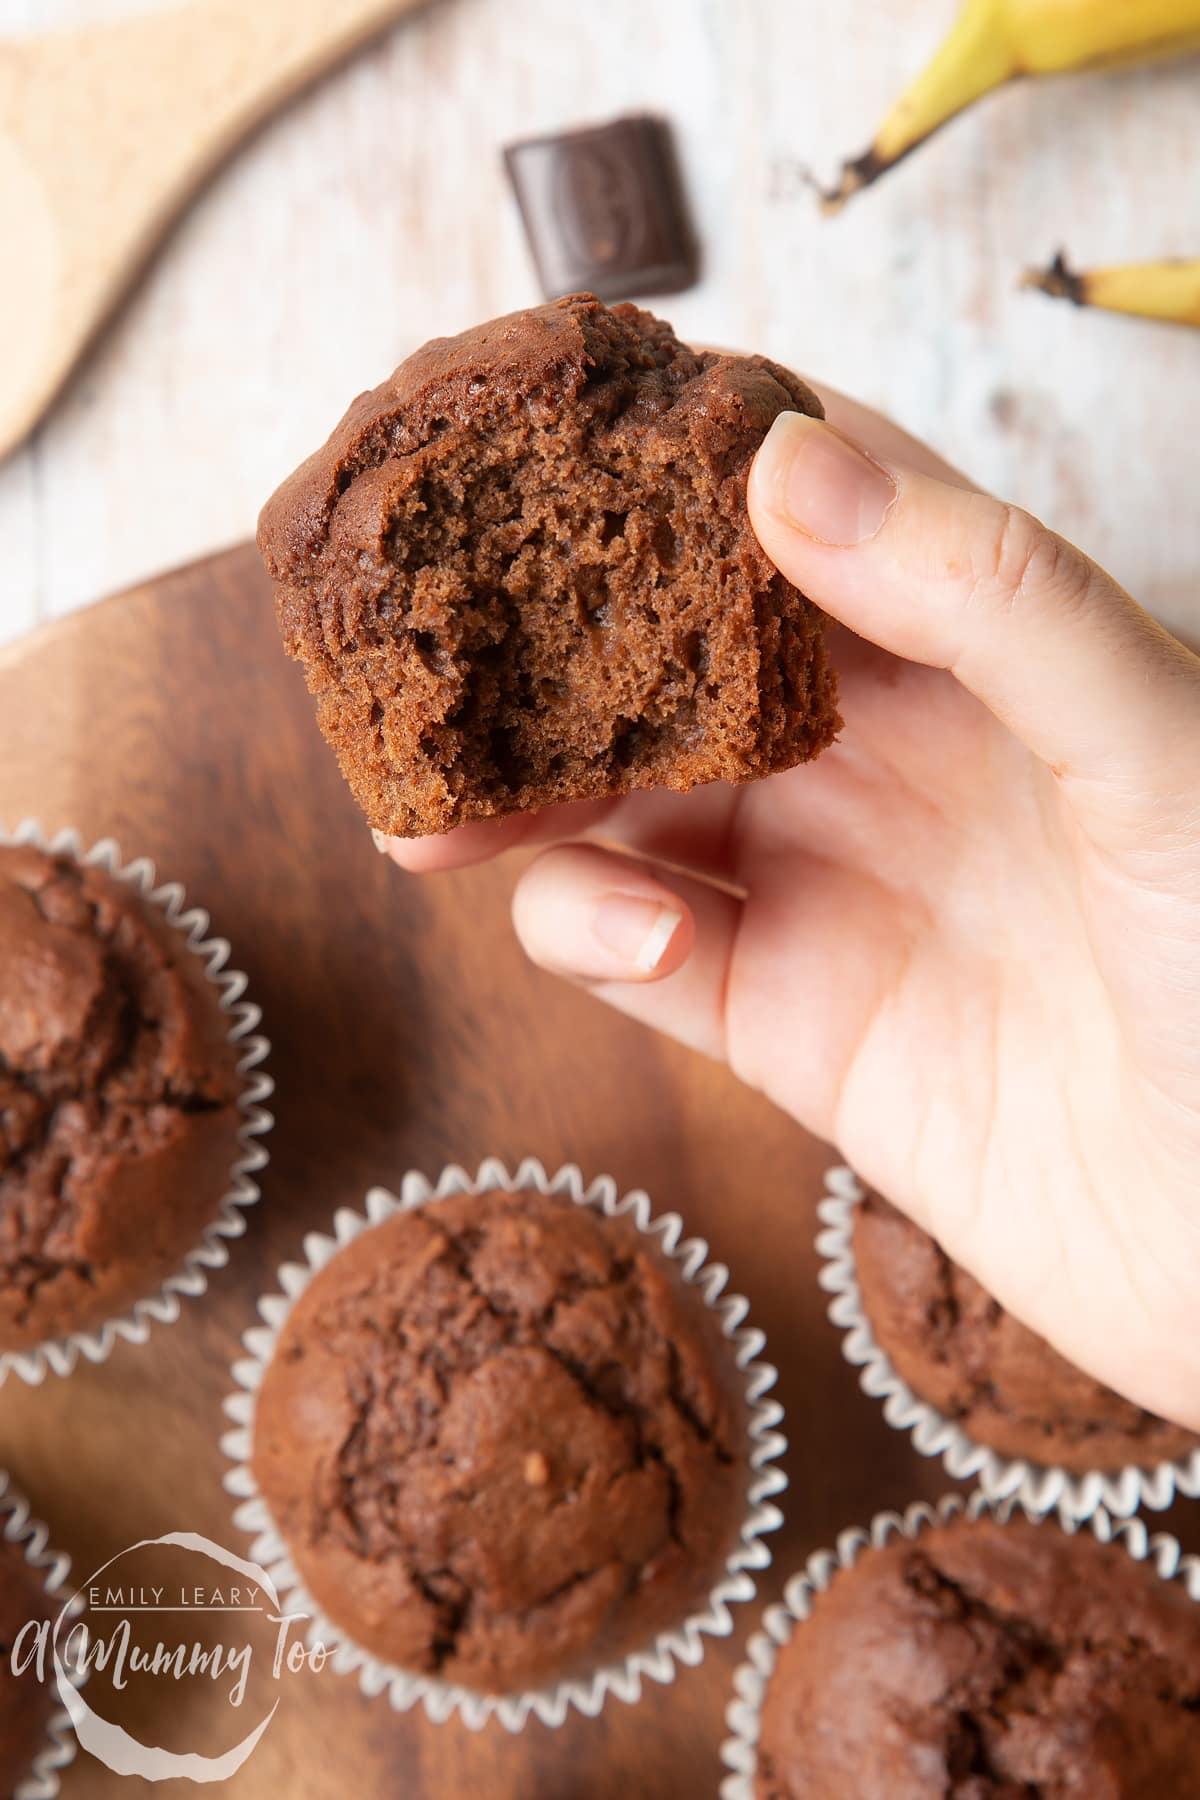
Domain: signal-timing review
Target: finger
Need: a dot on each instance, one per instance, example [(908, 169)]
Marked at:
[(596, 916), (959, 581), (656, 948), (881, 435), (482, 839), (887, 440), (474, 843), (690, 831)]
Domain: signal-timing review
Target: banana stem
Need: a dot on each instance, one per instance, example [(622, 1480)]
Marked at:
[(975, 58), (1058, 280)]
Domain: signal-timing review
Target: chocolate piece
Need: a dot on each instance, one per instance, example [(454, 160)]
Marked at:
[(603, 210)]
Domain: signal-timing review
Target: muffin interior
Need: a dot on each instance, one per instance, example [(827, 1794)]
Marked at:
[(555, 610)]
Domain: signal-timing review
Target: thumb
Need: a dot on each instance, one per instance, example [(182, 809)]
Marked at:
[(955, 579)]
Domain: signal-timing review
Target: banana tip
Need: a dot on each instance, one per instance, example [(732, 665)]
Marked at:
[(1059, 280), (855, 175)]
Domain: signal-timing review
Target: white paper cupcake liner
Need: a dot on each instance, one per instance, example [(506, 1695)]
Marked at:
[(623, 1679), (752, 1678), (1040, 1487), (53, 1567), (59, 1356)]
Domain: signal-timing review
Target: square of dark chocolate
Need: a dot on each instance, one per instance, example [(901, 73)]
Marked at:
[(603, 210)]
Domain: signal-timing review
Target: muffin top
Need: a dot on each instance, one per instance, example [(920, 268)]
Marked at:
[(961, 1352), (26, 1703), (503, 1441), (617, 367), (521, 571), (988, 1661), (118, 1091)]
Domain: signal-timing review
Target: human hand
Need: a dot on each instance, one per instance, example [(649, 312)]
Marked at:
[(964, 945)]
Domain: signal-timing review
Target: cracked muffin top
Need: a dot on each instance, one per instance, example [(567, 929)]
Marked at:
[(118, 1097), (988, 1661), (503, 1441), (521, 571), (960, 1351)]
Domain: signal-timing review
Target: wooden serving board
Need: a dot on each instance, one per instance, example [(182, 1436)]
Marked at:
[(106, 132), (408, 1031)]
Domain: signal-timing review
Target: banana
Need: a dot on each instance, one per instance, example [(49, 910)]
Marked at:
[(1155, 290), (995, 41)]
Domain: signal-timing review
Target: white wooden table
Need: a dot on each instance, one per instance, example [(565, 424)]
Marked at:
[(375, 214)]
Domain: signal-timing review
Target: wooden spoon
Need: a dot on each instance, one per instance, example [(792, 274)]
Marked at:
[(106, 131)]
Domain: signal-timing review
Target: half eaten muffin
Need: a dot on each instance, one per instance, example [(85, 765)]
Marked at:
[(521, 571)]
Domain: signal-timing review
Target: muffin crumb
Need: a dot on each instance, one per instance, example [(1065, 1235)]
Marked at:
[(537, 1469)]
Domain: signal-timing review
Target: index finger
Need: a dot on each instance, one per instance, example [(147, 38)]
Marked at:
[(482, 839)]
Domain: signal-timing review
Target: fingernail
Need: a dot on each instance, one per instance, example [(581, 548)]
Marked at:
[(820, 483), (380, 841), (636, 931)]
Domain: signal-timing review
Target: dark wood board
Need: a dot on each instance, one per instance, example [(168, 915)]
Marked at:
[(407, 1031)]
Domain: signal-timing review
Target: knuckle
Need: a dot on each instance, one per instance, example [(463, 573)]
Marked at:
[(1022, 562)]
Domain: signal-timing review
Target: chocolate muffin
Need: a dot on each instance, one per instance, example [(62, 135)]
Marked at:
[(26, 1703), (521, 571), (988, 1660), (502, 1441), (118, 1097), (961, 1352)]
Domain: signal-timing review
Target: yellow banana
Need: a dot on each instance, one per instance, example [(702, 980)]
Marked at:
[(1157, 290), (994, 41)]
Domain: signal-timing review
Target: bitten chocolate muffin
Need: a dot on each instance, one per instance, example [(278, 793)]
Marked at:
[(521, 571), (502, 1441), (959, 1351), (26, 1703), (118, 1091), (988, 1662)]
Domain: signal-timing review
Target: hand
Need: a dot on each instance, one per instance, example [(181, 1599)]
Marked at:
[(965, 944)]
